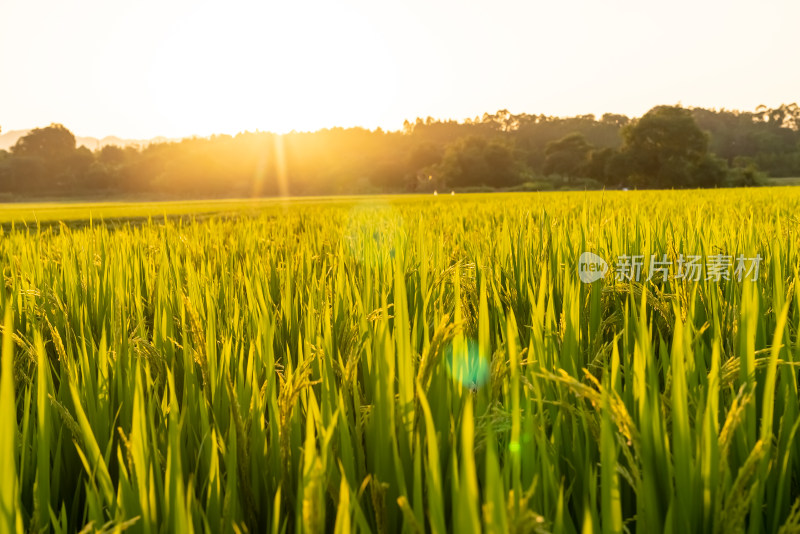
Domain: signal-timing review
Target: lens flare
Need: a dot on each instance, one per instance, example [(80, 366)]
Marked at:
[(466, 365)]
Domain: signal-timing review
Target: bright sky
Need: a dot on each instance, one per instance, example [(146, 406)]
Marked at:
[(180, 67)]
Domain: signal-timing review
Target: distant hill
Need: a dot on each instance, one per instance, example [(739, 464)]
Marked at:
[(9, 139)]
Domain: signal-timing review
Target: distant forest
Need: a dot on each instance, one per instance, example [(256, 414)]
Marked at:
[(668, 147)]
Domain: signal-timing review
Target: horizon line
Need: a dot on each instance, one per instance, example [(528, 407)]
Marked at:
[(465, 120)]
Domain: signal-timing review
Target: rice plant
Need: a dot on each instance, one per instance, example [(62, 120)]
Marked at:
[(417, 364)]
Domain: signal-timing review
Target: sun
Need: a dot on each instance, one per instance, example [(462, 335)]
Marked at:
[(275, 68)]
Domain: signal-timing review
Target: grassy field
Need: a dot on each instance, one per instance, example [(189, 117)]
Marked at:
[(791, 181), (402, 364), (25, 213)]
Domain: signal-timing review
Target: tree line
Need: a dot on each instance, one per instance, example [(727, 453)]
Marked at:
[(668, 147)]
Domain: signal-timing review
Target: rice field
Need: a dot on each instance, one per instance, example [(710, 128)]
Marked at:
[(406, 364)]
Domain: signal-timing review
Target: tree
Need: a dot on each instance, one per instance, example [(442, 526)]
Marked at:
[(420, 165), (52, 142), (569, 156), (615, 119), (47, 159), (598, 166), (111, 155), (745, 173), (666, 148), (477, 161)]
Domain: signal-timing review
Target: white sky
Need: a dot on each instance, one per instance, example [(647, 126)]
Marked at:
[(179, 67)]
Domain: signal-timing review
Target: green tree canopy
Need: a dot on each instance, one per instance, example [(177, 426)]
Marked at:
[(477, 161), (568, 156), (47, 160), (54, 141), (666, 148)]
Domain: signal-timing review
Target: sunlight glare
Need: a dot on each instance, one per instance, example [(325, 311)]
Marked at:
[(272, 67)]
